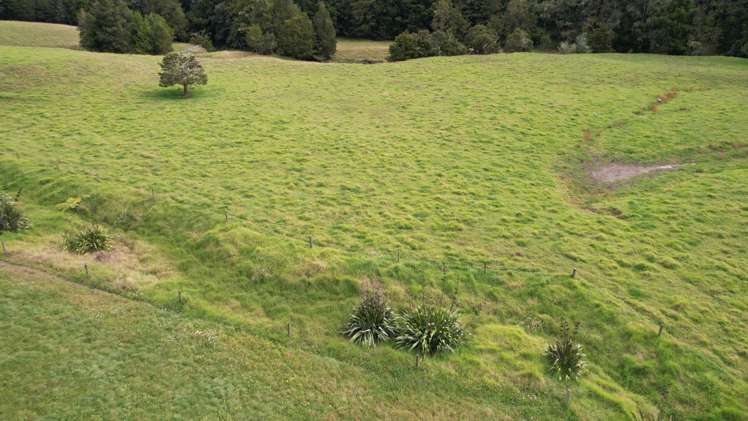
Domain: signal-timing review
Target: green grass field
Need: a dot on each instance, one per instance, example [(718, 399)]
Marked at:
[(361, 51), (35, 34), (462, 179)]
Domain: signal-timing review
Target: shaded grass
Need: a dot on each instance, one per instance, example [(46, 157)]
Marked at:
[(417, 174)]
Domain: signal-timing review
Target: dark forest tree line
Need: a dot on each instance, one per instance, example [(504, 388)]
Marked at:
[(659, 26), (109, 25), (266, 27), (68, 11), (135, 26)]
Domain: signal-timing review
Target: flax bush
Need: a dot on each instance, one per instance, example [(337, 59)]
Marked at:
[(371, 321), (91, 239), (428, 330)]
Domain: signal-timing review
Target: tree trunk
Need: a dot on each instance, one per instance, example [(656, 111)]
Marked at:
[(185, 91)]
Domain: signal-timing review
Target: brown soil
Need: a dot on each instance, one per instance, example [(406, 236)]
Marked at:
[(612, 173)]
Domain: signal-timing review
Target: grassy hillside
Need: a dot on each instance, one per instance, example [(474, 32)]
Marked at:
[(458, 179), (361, 51), (35, 34)]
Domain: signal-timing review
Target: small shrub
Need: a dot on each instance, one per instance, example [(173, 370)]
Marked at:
[(425, 44), (91, 239), (517, 41), (428, 330), (405, 47), (695, 48), (371, 321), (11, 218), (445, 44), (565, 356), (202, 39), (582, 44), (566, 48)]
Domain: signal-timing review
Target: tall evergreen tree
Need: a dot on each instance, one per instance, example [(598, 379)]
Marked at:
[(324, 29), (106, 26), (160, 34), (449, 19), (295, 35)]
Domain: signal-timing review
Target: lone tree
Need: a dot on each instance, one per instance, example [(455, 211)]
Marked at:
[(566, 358), (182, 68)]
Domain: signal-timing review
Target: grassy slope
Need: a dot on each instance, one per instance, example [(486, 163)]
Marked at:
[(356, 51), (35, 34), (448, 163)]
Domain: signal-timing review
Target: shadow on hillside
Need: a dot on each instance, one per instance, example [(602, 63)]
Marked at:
[(174, 94)]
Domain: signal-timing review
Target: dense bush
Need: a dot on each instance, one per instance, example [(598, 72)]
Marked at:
[(566, 48), (406, 46), (11, 218), (371, 321), (428, 330), (201, 39), (260, 42), (110, 26), (425, 44), (482, 40), (517, 41), (91, 239), (445, 44)]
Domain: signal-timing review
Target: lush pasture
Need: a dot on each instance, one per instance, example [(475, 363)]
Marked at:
[(457, 179), (33, 34)]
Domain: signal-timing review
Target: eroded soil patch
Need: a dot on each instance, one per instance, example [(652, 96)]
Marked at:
[(612, 173)]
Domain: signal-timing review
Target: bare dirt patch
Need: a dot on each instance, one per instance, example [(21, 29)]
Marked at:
[(612, 173)]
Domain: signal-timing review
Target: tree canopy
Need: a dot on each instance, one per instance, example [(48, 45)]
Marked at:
[(182, 68)]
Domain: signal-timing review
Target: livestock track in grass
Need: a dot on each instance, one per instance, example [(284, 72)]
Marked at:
[(459, 179)]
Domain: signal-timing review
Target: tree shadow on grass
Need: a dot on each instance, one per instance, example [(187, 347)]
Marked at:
[(175, 94)]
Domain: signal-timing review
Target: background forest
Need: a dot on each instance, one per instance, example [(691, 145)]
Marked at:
[(698, 27)]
